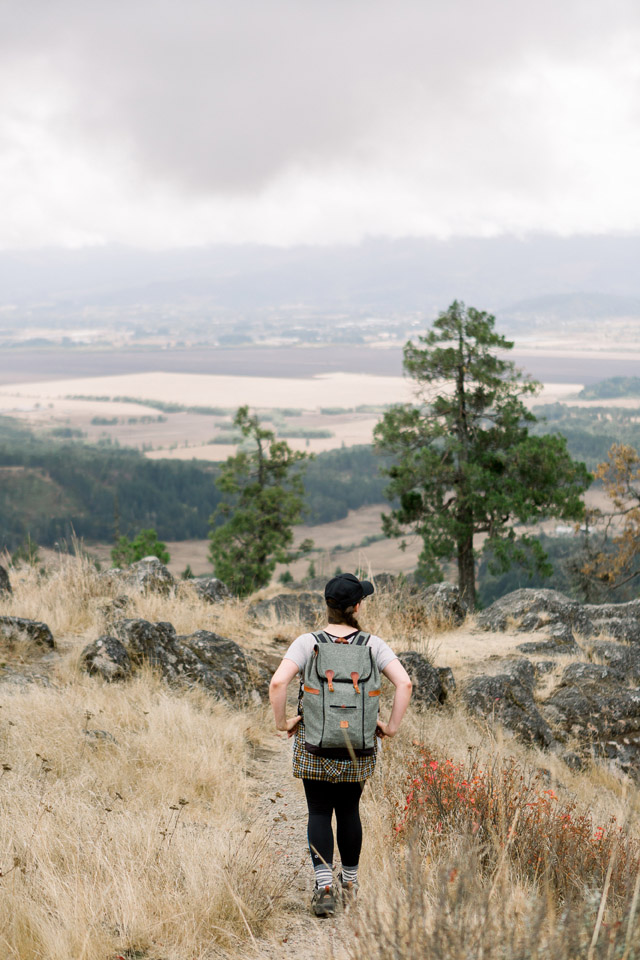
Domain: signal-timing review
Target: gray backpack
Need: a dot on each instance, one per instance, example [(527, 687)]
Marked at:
[(341, 694)]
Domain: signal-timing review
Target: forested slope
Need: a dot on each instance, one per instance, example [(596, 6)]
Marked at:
[(51, 486)]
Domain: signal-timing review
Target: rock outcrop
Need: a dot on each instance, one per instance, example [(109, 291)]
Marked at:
[(148, 575), (431, 685), (18, 630), (508, 698), (5, 583), (220, 665), (442, 602), (304, 607), (211, 589), (107, 657)]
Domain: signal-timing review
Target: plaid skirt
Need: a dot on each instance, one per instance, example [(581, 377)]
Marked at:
[(308, 766)]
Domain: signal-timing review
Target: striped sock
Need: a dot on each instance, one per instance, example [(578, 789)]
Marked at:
[(324, 876), (349, 874)]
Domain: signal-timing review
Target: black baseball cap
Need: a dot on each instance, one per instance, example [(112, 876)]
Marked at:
[(346, 590)]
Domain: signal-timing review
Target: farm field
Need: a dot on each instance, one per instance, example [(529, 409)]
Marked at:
[(356, 401)]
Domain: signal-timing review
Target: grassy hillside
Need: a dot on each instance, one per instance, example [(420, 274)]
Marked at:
[(156, 823)]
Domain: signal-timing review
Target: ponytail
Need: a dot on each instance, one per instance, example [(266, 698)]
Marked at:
[(338, 616)]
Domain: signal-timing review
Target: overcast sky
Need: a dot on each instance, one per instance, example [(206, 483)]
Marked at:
[(161, 123)]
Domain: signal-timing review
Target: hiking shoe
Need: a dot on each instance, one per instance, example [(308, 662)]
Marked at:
[(323, 902), (349, 893)]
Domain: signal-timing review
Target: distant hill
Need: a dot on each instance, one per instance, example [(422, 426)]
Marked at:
[(505, 275), (571, 306), (613, 388)]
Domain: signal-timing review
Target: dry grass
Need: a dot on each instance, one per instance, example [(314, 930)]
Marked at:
[(99, 857), (131, 836)]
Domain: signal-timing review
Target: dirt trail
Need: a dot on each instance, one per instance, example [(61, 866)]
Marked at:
[(281, 804)]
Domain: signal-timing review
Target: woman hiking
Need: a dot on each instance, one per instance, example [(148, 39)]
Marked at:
[(336, 686)]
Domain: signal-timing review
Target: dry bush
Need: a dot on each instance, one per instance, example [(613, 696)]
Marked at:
[(451, 894), (130, 836)]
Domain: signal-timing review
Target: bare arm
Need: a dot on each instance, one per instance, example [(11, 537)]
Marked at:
[(278, 696), (399, 677)]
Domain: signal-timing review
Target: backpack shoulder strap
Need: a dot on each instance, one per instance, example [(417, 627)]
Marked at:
[(321, 637), (361, 639)]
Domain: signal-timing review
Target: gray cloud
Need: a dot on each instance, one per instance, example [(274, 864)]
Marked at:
[(224, 98)]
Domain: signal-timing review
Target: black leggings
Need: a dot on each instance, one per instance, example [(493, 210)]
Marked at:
[(323, 798)]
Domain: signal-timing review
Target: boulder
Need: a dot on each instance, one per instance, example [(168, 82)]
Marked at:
[(106, 657), (593, 706), (430, 684), (220, 665), (5, 583), (305, 607), (149, 575), (211, 589), (442, 602), (560, 618), (18, 630), (505, 699)]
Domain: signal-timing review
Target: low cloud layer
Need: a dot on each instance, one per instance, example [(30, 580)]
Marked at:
[(162, 123)]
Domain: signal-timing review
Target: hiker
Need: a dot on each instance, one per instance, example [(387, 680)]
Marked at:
[(340, 668)]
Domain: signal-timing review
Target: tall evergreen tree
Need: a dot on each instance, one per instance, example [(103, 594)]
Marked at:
[(263, 494), (465, 465)]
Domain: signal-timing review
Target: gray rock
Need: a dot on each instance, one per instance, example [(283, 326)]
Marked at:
[(106, 657), (592, 706), (442, 602), (549, 648), (529, 610), (211, 589), (505, 699), (19, 630), (149, 575), (220, 665), (624, 660), (5, 583), (430, 686), (520, 669), (302, 607), (592, 672)]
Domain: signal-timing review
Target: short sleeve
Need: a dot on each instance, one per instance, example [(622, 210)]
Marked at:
[(381, 651), (300, 650)]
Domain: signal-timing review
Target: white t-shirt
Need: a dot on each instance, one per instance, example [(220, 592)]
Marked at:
[(302, 648)]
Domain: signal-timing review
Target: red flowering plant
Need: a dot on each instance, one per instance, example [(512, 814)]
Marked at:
[(510, 811)]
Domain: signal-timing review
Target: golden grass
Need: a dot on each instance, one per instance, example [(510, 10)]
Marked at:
[(131, 836), (99, 857)]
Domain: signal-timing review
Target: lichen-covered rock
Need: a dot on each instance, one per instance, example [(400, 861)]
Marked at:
[(19, 630), (442, 602), (203, 657), (212, 590), (5, 583), (149, 575), (560, 619), (106, 657), (430, 684), (305, 607), (505, 699)]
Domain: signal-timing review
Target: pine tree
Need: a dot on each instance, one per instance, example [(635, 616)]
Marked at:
[(263, 500), (464, 463)]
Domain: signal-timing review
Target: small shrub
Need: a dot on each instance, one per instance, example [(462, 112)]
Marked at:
[(510, 811)]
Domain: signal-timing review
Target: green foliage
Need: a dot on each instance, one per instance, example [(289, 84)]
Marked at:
[(187, 573), (145, 544), (104, 421), (610, 388), (589, 431), (263, 499), (286, 577), (464, 461), (27, 552)]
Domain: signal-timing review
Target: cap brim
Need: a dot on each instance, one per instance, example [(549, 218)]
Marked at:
[(367, 588)]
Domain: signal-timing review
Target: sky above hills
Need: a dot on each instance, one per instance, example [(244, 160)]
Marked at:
[(159, 123)]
